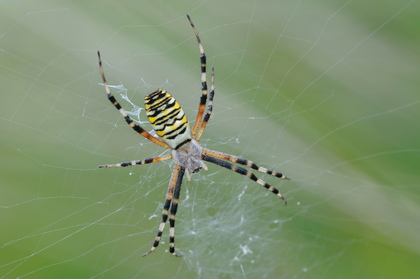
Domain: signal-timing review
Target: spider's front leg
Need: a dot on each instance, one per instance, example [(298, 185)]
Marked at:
[(245, 172), (172, 196)]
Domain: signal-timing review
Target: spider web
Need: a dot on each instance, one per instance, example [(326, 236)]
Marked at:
[(325, 92)]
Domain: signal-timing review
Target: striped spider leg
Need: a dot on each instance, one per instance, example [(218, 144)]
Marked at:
[(173, 129)]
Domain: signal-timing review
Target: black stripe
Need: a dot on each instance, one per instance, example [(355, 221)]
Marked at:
[(170, 124), (173, 131), (182, 143), (164, 118), (159, 102), (204, 86), (241, 161), (203, 99), (155, 244), (156, 94), (203, 62), (156, 111), (112, 99)]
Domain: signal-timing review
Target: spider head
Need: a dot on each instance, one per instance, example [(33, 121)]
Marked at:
[(188, 156)]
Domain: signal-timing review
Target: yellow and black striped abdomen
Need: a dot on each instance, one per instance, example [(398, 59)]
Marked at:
[(167, 118)]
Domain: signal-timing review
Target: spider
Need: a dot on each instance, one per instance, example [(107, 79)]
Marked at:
[(171, 125)]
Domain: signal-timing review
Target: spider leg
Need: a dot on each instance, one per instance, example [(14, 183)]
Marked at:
[(245, 172), (242, 161), (138, 162), (174, 208), (203, 98), (174, 185), (209, 109), (128, 119)]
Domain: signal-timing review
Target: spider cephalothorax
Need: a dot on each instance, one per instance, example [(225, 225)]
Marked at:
[(171, 125)]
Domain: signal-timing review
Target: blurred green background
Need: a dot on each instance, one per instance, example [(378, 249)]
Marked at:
[(325, 91)]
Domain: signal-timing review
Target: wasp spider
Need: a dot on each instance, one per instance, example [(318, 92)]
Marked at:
[(171, 125)]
